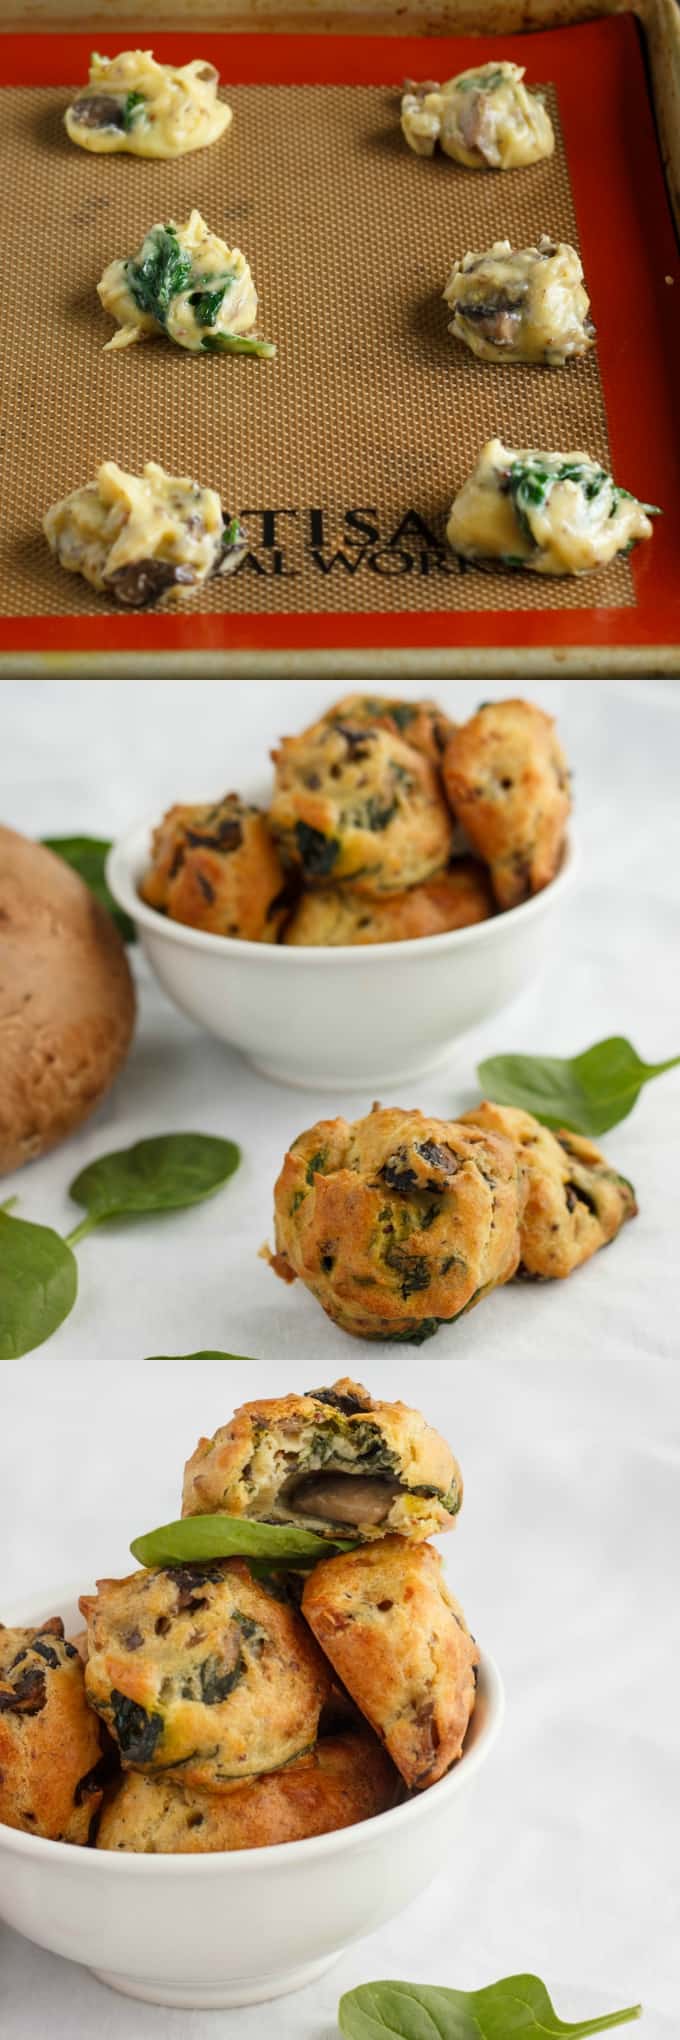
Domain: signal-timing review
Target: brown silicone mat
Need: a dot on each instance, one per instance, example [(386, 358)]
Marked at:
[(369, 405)]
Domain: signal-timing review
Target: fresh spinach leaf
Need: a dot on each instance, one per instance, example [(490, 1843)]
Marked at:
[(517, 2005), (87, 855), (38, 1285), (162, 270), (166, 1173), (207, 297), (210, 1353), (585, 1093), (198, 1538)]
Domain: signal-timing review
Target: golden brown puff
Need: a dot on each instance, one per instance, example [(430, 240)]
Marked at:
[(385, 1617), (345, 1779), (507, 779), (397, 1223), (329, 1460), (422, 724), (456, 899), (217, 868), (353, 803), (50, 1741), (574, 1202), (200, 1667)]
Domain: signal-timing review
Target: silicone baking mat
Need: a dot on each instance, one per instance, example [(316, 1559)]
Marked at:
[(344, 454)]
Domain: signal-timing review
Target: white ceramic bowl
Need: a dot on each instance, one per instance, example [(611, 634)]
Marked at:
[(345, 1018), (206, 1931)]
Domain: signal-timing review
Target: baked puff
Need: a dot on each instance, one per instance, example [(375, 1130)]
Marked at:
[(385, 1617), (397, 1223), (574, 1202), (334, 1461), (50, 1741), (422, 724), (201, 1669), (354, 803), (507, 780), (345, 1779), (217, 868), (457, 898)]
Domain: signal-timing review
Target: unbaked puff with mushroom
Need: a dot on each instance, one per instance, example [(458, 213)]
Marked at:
[(50, 1741), (385, 1617), (397, 1223), (200, 1668), (217, 868), (135, 106), (459, 897), (486, 118), (346, 1778), (526, 304), (575, 1202), (355, 803), (507, 779), (331, 1460)]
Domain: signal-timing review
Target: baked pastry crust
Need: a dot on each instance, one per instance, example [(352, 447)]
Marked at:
[(345, 1779), (398, 1640), (202, 1669), (574, 1203), (457, 898), (217, 868), (397, 1223), (353, 802), (50, 1741), (422, 724), (331, 1461), (507, 779)]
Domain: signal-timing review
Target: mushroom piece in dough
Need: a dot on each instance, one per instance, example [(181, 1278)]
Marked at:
[(553, 513), (507, 779), (184, 282), (422, 724), (397, 1223), (346, 1778), (486, 119), (458, 898), (217, 868), (50, 1741), (575, 1202), (140, 537), (202, 1670), (355, 803), (527, 304), (387, 1620), (133, 106), (334, 1460)]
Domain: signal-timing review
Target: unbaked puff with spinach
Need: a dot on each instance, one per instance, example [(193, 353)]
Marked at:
[(333, 1461), (203, 1670), (51, 1744), (353, 803), (397, 1223), (218, 868)]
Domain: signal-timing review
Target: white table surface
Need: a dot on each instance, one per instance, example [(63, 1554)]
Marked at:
[(561, 1403)]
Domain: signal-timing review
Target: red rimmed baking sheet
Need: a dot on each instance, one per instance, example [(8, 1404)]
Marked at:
[(629, 250)]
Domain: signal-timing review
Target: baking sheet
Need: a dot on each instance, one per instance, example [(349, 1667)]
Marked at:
[(344, 454)]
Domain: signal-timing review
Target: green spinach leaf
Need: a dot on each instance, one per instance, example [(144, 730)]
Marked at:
[(238, 343), (38, 1285), (87, 855), (166, 1173), (516, 2005), (197, 1538), (133, 101), (209, 1353), (163, 269), (584, 1093)]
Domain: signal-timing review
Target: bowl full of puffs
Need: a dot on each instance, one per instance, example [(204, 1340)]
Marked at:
[(396, 885), (218, 1770)]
